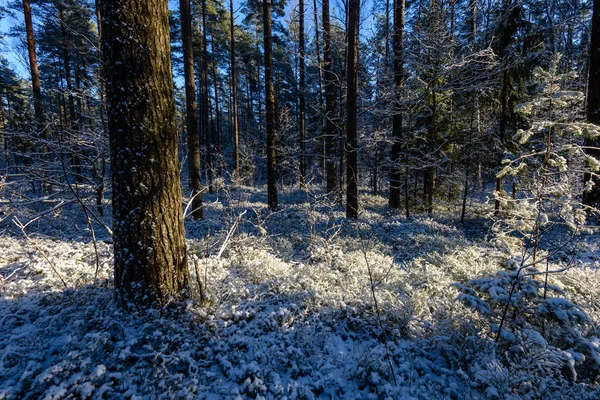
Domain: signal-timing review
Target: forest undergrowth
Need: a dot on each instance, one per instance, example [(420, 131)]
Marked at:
[(302, 304)]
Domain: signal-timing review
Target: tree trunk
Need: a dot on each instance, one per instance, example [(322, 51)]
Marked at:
[(593, 101), (149, 237), (236, 129), (302, 99), (193, 141), (217, 132), (73, 120), (206, 101), (33, 66), (270, 111), (330, 106), (351, 111), (320, 73), (397, 118)]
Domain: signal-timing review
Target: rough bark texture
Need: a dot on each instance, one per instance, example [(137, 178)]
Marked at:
[(33, 66), (193, 141), (149, 238), (302, 88), (351, 111), (330, 106), (270, 111), (236, 129), (397, 118), (593, 98)]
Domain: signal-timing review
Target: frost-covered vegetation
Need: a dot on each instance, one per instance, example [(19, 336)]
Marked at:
[(286, 309)]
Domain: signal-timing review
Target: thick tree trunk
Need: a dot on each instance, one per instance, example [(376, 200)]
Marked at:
[(351, 111), (148, 233), (330, 106), (236, 129), (270, 102), (397, 118), (193, 141), (302, 98)]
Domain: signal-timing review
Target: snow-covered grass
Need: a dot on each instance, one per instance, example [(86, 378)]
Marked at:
[(289, 311)]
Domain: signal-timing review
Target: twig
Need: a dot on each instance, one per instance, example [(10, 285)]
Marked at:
[(229, 234), (376, 304), (22, 227)]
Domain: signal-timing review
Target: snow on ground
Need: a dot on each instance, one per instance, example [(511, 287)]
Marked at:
[(289, 311)]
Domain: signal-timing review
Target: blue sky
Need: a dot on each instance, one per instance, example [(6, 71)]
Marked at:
[(9, 46)]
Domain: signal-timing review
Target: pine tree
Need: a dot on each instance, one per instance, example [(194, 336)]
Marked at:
[(351, 110), (149, 238), (193, 140), (270, 104)]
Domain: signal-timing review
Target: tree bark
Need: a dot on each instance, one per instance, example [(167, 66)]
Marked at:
[(395, 172), (351, 111), (302, 97), (191, 110), (236, 129), (270, 104), (330, 106), (593, 100), (33, 66), (148, 233)]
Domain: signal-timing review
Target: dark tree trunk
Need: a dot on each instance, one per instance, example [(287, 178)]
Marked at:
[(302, 99), (149, 237), (321, 101), (73, 120), (397, 118), (193, 141), (593, 100), (218, 132), (270, 103), (236, 130), (330, 106), (351, 111)]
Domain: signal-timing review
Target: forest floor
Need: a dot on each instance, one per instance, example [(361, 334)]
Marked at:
[(288, 309)]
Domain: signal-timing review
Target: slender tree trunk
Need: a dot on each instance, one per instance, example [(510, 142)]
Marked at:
[(502, 129), (149, 237), (193, 141), (320, 74), (330, 106), (217, 131), (351, 111), (593, 101), (397, 118), (302, 98), (270, 114), (236, 129), (33, 66), (206, 101)]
